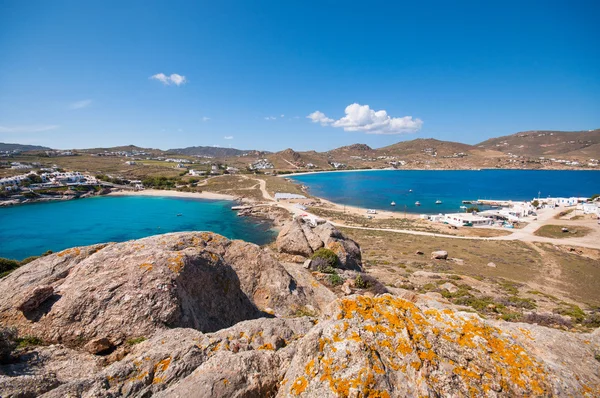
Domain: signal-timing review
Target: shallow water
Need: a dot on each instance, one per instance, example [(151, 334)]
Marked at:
[(31, 229)]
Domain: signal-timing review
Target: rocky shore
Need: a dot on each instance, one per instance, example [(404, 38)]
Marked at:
[(196, 314)]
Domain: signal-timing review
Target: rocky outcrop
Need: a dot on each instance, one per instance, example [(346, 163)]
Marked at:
[(439, 255), (299, 238), (125, 290), (389, 347), (404, 345)]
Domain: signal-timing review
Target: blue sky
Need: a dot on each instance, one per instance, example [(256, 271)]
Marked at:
[(76, 74)]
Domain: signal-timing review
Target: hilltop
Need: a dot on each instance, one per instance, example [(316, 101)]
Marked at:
[(21, 147), (213, 151), (548, 143)]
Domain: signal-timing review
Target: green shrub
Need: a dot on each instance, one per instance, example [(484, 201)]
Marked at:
[(576, 313), (326, 254), (360, 283), (335, 279), (28, 341), (134, 341), (7, 265)]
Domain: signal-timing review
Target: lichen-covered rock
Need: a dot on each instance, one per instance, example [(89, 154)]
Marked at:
[(389, 347), (298, 238), (96, 346), (250, 356), (123, 290), (291, 240)]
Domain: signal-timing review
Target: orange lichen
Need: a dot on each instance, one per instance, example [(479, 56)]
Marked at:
[(299, 386), (146, 266), (267, 346), (176, 263)]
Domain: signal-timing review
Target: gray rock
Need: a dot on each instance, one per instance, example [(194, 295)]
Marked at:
[(125, 290), (35, 298), (96, 346), (439, 255), (449, 287), (490, 264)]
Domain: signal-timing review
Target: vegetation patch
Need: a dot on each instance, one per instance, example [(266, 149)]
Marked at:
[(327, 255), (562, 231), (28, 341), (136, 340)]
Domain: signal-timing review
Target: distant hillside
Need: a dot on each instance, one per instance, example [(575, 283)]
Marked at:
[(426, 146), (548, 143), (22, 148), (352, 150), (123, 148), (289, 158), (217, 152)]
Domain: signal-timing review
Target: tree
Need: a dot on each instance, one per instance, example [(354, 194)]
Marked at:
[(535, 203), (472, 209)]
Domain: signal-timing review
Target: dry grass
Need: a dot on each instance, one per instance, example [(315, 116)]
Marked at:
[(555, 231), (395, 254)]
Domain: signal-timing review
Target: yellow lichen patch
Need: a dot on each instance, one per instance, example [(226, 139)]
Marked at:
[(225, 381), (527, 333), (299, 386), (70, 252), (146, 266), (176, 263), (267, 346), (310, 368)]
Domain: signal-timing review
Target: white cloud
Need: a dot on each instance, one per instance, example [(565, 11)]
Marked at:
[(80, 104), (28, 129), (228, 137), (175, 79), (282, 115), (270, 118), (205, 119), (319, 117), (363, 118)]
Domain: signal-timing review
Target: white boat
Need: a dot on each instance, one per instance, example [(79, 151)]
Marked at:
[(393, 204), (438, 202), (463, 207), (417, 203), (371, 211), (410, 190)]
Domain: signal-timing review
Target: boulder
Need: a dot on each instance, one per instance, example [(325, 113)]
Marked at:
[(292, 240), (439, 255), (125, 290), (387, 346), (298, 238), (99, 345), (490, 264), (449, 287)]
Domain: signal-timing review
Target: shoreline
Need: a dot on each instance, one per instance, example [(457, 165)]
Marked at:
[(174, 194), (291, 175)]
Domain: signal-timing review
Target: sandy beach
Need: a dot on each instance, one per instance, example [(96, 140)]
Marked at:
[(360, 211), (177, 194)]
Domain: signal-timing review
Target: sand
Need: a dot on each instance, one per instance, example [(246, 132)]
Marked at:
[(177, 194)]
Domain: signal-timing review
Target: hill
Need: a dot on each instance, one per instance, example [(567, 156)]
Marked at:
[(426, 146), (215, 152), (290, 159), (548, 143), (21, 147)]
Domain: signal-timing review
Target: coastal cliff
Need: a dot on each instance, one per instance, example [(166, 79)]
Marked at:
[(196, 314)]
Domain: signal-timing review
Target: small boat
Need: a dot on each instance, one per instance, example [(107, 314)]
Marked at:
[(417, 203), (179, 215), (393, 204), (463, 207), (410, 190), (438, 202)]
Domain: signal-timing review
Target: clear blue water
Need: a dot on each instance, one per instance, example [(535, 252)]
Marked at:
[(377, 189), (31, 229)]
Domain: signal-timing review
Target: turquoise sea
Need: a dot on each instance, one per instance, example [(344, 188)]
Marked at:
[(31, 229), (377, 189)]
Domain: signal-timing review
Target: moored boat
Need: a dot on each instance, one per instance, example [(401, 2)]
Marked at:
[(393, 204), (417, 203)]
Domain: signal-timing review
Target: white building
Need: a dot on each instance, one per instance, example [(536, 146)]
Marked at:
[(590, 208), (462, 219), (196, 173)]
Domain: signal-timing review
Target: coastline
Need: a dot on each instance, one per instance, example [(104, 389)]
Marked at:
[(174, 194)]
